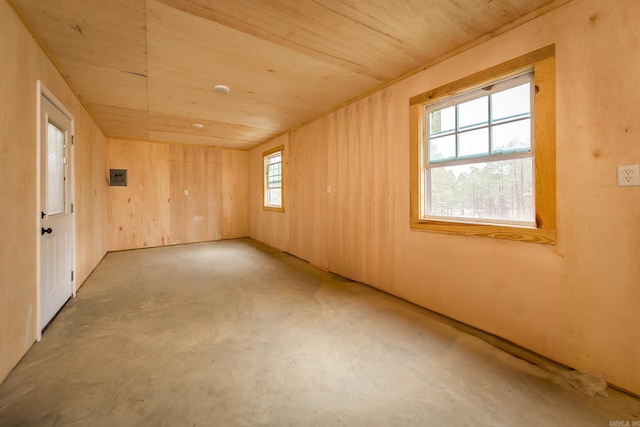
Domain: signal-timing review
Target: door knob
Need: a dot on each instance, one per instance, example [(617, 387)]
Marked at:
[(46, 230), (42, 215)]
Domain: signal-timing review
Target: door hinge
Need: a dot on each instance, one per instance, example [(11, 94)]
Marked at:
[(73, 139), (72, 275), (71, 207)]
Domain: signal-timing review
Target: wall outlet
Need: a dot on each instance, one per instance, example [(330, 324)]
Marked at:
[(628, 175)]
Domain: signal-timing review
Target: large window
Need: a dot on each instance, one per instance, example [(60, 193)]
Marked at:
[(483, 153), (479, 156), (273, 179)]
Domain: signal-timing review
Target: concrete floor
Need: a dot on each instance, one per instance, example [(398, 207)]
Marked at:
[(232, 333)]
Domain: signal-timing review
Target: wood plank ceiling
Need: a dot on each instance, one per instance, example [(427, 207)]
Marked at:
[(146, 68)]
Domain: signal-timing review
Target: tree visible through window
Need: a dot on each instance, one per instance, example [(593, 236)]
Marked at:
[(483, 152), (479, 163)]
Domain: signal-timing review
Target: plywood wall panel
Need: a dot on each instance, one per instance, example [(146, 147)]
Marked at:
[(91, 196), (308, 200), (139, 213), (24, 64), (215, 192), (574, 302), (235, 194), (177, 175), (177, 193), (550, 299), (268, 227), (196, 193), (599, 222), (360, 167)]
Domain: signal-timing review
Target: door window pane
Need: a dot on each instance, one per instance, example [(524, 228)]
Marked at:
[(55, 170)]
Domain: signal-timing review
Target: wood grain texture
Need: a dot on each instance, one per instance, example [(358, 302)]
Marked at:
[(122, 123), (308, 201), (167, 128), (362, 209), (286, 61), (235, 194), (543, 63), (368, 38), (573, 301), (177, 193), (473, 81), (24, 64), (139, 214), (545, 148), (271, 228), (91, 196), (195, 193)]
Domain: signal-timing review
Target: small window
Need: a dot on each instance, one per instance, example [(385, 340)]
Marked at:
[(273, 179), (483, 153)]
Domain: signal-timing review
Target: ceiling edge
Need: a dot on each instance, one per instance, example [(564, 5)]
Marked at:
[(467, 46), (55, 64)]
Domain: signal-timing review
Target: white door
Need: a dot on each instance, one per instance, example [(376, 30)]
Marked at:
[(56, 234)]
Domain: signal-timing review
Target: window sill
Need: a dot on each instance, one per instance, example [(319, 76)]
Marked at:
[(272, 209), (522, 234)]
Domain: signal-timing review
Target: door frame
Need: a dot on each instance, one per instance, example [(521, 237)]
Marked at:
[(42, 90)]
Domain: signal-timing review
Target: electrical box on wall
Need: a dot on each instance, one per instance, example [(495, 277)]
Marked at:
[(118, 177)]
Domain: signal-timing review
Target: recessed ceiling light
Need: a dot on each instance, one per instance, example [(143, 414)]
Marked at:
[(197, 125), (222, 88)]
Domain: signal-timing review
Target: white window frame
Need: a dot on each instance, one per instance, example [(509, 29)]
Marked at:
[(477, 93)]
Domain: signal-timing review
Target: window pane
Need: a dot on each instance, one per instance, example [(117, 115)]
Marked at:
[(55, 170), (511, 103), (500, 191), (275, 158), (274, 175), (274, 197), (511, 137), (442, 149), (442, 121), (473, 113), (473, 143), (273, 179)]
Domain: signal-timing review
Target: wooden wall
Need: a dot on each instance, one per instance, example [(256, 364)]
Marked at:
[(23, 63), (176, 193), (269, 227), (575, 302)]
